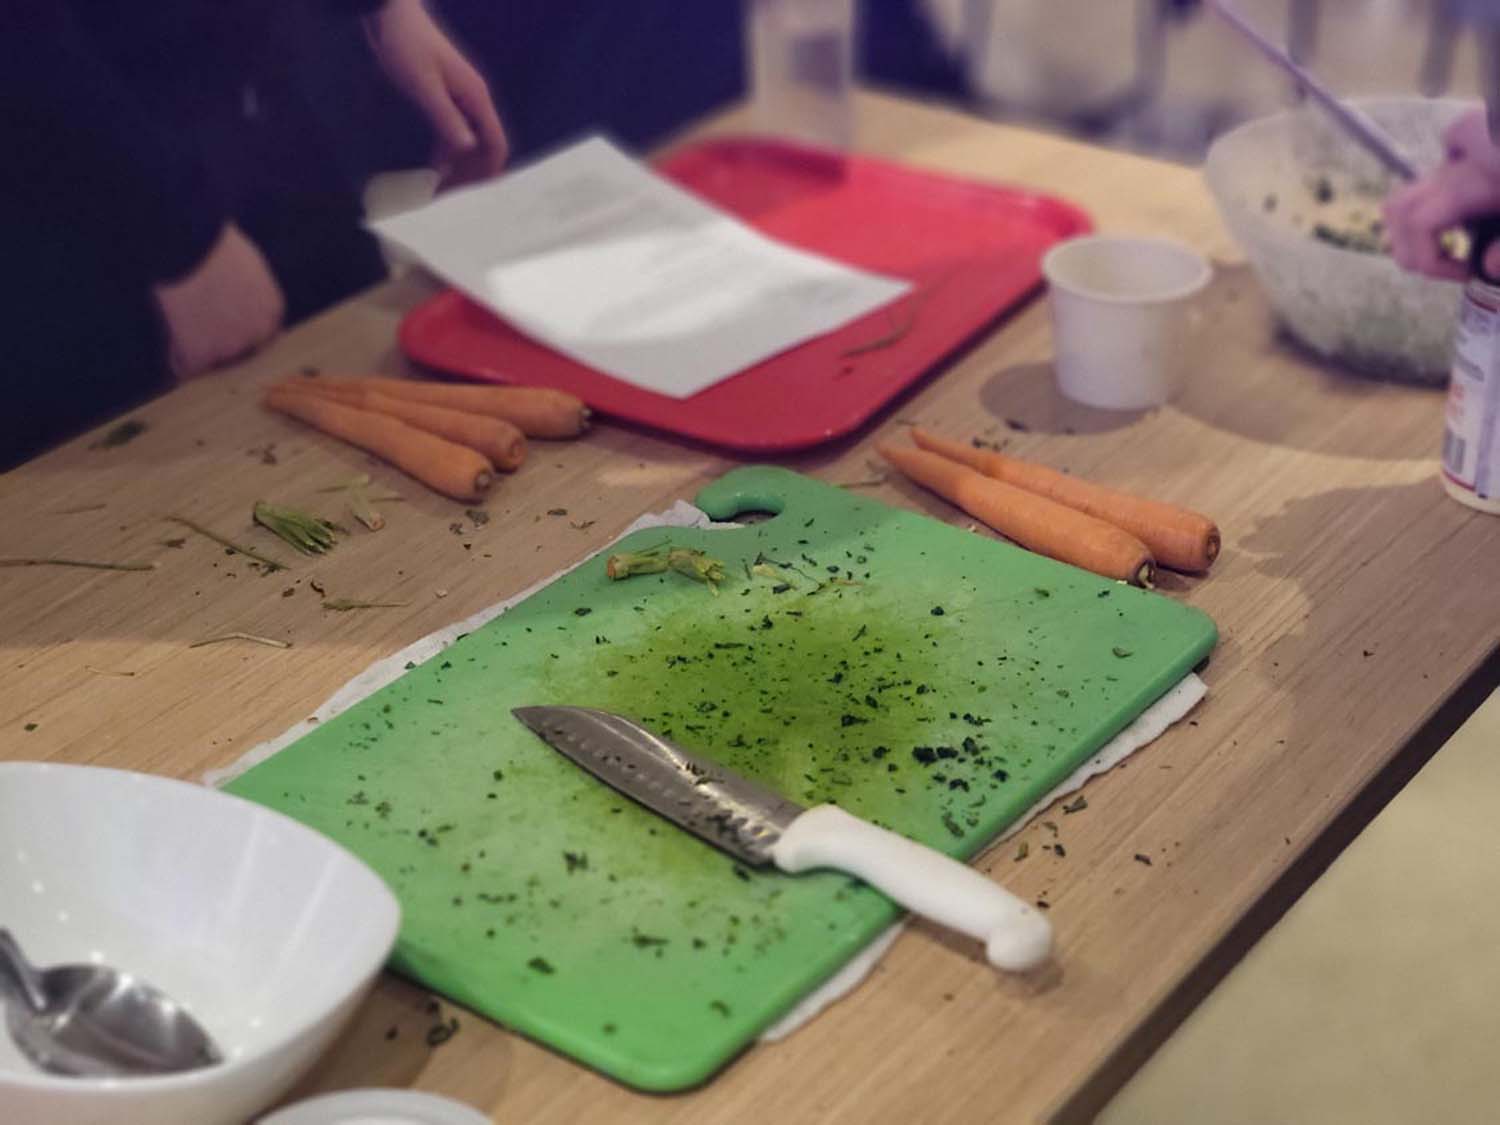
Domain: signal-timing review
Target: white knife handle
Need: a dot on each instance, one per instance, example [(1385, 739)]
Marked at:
[(1015, 934)]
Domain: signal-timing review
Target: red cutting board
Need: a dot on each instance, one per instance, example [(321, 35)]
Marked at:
[(973, 251)]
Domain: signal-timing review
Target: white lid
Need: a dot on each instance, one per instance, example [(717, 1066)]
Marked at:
[(377, 1107)]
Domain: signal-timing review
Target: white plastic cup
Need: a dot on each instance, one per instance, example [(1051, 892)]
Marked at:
[(801, 69), (1123, 318)]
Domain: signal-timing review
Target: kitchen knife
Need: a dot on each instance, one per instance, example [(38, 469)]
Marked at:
[(760, 827)]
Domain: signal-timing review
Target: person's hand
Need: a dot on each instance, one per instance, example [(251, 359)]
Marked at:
[(227, 306), (1465, 186), (425, 65)]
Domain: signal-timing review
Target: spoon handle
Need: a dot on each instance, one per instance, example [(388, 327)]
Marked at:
[(17, 976)]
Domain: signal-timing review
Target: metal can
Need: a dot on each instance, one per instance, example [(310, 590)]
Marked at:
[(1471, 435)]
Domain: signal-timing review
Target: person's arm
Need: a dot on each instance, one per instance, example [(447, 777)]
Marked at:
[(421, 61)]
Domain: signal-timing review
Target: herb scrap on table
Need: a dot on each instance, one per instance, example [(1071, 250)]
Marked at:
[(81, 508), (311, 535), (87, 564), (440, 1033), (270, 642), (121, 434), (362, 508), (249, 552), (343, 605)]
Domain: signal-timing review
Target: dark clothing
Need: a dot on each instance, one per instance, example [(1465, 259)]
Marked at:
[(131, 133), (642, 69), (132, 130)]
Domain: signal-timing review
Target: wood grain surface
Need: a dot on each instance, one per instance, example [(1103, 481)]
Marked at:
[(1353, 597)]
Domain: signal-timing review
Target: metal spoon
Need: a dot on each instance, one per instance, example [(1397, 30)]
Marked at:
[(95, 1022)]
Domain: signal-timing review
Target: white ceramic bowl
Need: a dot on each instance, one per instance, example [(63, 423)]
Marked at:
[(267, 931), (1358, 308)]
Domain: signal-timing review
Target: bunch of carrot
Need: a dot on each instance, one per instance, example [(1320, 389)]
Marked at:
[(1075, 521), (451, 438)]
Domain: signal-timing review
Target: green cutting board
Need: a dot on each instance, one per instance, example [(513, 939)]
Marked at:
[(927, 678)]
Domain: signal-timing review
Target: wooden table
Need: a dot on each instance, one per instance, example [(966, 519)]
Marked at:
[(1358, 608)]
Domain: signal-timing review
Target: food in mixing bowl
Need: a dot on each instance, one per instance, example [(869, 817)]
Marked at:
[(1345, 215)]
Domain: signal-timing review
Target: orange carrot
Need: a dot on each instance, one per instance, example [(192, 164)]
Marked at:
[(1033, 521), (1178, 537), (454, 470), (539, 411), (496, 438)]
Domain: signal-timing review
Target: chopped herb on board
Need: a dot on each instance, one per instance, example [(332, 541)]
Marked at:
[(697, 565), (1140, 858), (1023, 851), (1077, 805)]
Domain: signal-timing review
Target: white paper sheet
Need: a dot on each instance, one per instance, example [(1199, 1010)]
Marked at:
[(594, 255)]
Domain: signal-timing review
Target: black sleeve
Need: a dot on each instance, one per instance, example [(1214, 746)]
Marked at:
[(79, 151), (355, 7)]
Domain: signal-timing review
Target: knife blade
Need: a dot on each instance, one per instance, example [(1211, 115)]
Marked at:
[(761, 827)]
